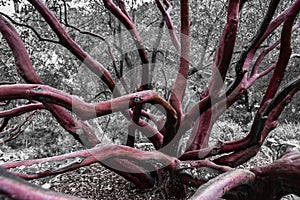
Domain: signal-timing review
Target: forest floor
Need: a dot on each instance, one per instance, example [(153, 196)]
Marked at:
[(96, 182)]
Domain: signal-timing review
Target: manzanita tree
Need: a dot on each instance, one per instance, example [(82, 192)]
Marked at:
[(210, 167)]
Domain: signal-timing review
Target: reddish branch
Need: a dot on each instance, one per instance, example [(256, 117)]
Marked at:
[(15, 112), (122, 6), (222, 59), (178, 90), (223, 55), (268, 182), (133, 164), (218, 187), (239, 86), (117, 162), (83, 110), (254, 73), (22, 60), (167, 18), (125, 161), (180, 82)]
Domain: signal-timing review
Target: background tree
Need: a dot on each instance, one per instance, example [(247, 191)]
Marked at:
[(170, 88)]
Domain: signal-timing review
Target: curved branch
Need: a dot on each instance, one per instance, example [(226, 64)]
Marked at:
[(22, 60), (124, 160), (14, 112), (286, 34), (131, 163), (217, 187), (84, 110), (204, 104)]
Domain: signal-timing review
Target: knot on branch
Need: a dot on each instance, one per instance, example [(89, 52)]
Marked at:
[(137, 99), (37, 89)]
